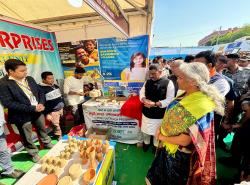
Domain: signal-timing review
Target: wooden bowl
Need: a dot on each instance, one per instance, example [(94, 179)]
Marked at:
[(89, 176)]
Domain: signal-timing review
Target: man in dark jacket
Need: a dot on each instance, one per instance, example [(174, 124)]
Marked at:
[(54, 101), (25, 102), (157, 92)]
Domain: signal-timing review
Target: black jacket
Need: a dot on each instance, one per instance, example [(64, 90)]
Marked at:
[(155, 91), (19, 107)]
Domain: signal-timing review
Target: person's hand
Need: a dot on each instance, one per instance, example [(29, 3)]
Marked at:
[(148, 103), (157, 133), (236, 126), (158, 104), (40, 108), (151, 103), (81, 93), (226, 126)]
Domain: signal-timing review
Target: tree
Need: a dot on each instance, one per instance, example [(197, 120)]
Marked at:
[(230, 36)]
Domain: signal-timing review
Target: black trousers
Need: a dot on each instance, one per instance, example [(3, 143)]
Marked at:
[(25, 131)]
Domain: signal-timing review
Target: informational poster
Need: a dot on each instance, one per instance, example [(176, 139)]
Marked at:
[(81, 54), (117, 56), (124, 61), (123, 129), (36, 48)]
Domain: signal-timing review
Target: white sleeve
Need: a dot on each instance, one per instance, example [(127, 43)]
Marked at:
[(142, 92), (66, 86), (222, 86), (2, 120), (169, 96)]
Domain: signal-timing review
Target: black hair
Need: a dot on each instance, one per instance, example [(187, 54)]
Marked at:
[(189, 58), (12, 64), (222, 59), (132, 64), (79, 70), (91, 40), (75, 50), (45, 74), (156, 59), (208, 55), (164, 61), (91, 86), (156, 67)]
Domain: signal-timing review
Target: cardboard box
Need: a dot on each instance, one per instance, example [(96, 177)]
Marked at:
[(98, 133)]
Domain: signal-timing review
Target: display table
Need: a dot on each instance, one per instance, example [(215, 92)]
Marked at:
[(98, 114), (105, 169)]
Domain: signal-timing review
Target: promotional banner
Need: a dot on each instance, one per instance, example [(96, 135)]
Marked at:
[(123, 129), (110, 10), (233, 47), (83, 54), (124, 61), (36, 48)]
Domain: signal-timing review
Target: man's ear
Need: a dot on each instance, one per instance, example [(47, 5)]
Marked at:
[(209, 65)]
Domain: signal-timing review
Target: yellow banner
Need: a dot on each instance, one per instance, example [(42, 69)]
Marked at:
[(107, 170)]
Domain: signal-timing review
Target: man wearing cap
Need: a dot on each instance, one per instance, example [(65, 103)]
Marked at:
[(238, 74), (244, 62), (73, 88)]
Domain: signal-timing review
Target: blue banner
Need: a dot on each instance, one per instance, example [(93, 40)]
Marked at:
[(123, 59), (36, 48)]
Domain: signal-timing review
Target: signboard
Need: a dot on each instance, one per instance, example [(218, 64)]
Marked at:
[(36, 48), (124, 61), (110, 10), (123, 129)]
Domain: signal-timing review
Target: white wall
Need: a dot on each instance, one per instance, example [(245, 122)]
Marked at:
[(97, 29)]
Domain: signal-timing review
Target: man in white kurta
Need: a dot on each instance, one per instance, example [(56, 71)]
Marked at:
[(156, 94), (73, 88)]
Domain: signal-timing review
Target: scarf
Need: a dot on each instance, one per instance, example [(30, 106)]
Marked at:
[(181, 115)]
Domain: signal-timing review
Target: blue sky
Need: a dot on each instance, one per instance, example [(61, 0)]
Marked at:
[(187, 21)]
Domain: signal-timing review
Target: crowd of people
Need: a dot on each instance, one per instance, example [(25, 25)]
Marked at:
[(29, 103), (189, 107)]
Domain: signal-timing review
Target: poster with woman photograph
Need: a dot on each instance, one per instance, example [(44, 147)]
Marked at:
[(123, 60), (137, 69)]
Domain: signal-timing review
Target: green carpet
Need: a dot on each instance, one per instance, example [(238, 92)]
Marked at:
[(22, 161), (131, 165)]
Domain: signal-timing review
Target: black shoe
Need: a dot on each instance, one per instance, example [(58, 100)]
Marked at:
[(145, 147), (35, 158), (16, 174), (48, 146)]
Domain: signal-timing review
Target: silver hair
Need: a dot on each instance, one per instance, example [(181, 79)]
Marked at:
[(199, 74)]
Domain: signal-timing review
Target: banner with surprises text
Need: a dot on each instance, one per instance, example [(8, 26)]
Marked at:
[(36, 48)]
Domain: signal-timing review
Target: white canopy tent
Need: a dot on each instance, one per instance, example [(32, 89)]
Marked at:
[(73, 24)]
